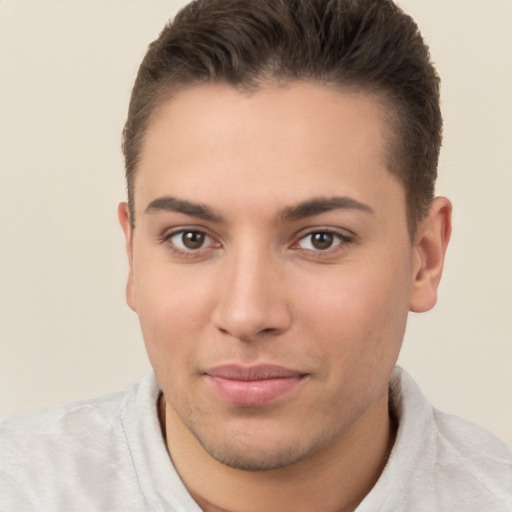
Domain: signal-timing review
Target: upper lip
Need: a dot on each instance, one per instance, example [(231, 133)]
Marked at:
[(256, 372)]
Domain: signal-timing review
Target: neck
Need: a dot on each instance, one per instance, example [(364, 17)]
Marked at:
[(341, 474)]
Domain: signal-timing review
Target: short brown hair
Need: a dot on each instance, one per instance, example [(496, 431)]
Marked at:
[(366, 45)]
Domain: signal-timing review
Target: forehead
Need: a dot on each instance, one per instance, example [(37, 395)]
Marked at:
[(290, 140)]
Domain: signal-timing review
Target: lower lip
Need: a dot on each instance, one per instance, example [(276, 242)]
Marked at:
[(253, 393)]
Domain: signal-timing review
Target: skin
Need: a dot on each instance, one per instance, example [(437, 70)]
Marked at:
[(323, 289)]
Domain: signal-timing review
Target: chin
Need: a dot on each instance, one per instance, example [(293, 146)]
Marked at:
[(250, 461), (255, 452)]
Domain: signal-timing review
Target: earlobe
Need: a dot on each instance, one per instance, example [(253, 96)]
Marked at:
[(123, 213), (430, 249)]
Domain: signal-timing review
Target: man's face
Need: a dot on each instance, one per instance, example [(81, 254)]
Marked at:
[(271, 267)]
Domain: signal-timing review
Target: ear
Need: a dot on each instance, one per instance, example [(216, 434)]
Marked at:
[(430, 248), (123, 213)]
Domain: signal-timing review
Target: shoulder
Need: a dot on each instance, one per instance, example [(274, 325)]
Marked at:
[(56, 458), (57, 425), (472, 458), (441, 461), (57, 437)]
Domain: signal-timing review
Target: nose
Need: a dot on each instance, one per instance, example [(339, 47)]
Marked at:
[(252, 301)]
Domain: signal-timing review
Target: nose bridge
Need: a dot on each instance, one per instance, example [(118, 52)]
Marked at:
[(252, 298)]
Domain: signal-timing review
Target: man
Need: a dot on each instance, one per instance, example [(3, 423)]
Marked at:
[(281, 222)]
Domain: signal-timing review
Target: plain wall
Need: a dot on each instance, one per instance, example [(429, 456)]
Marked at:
[(67, 67)]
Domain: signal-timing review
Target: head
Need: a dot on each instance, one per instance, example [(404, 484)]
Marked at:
[(281, 160), (368, 46)]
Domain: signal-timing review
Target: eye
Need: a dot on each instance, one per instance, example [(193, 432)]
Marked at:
[(321, 240), (189, 240)]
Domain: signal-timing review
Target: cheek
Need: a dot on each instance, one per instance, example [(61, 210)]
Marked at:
[(173, 308), (357, 313), (356, 321)]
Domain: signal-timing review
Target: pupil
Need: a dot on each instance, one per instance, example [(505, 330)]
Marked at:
[(193, 239), (322, 240)]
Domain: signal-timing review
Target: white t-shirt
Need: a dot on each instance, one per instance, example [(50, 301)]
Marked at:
[(108, 455)]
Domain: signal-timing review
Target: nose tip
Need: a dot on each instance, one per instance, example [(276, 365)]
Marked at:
[(252, 303), (248, 325)]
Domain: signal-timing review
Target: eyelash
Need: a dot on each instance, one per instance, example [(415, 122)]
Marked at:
[(340, 241), (188, 252)]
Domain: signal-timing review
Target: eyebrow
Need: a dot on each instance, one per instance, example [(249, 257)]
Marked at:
[(302, 210), (320, 205), (173, 204)]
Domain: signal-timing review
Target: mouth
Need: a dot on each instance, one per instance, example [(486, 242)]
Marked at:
[(253, 386)]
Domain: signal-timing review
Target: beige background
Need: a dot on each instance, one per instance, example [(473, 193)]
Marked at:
[(65, 333)]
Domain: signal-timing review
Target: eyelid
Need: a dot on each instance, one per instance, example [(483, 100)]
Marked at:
[(346, 237), (167, 234)]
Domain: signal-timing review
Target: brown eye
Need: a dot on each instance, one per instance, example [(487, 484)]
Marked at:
[(193, 239), (322, 241), (189, 240)]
